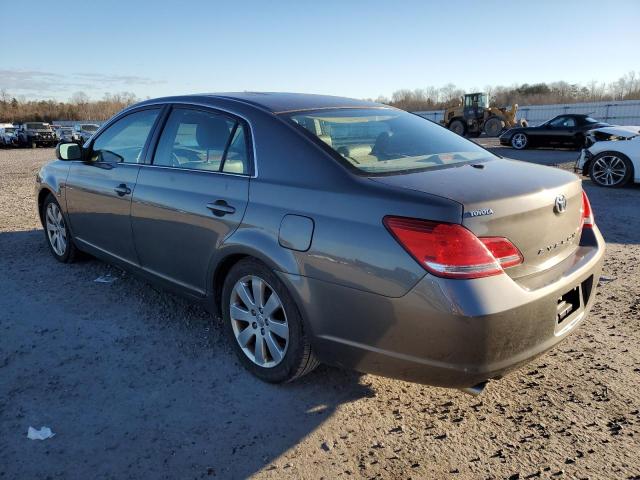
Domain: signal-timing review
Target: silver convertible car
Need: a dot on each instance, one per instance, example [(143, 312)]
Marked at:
[(325, 229)]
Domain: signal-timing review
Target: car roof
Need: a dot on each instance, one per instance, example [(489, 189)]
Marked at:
[(276, 102)]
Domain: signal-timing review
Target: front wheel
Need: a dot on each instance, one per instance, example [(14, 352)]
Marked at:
[(457, 127), (493, 126), (610, 169), (264, 324), (57, 232), (519, 141)]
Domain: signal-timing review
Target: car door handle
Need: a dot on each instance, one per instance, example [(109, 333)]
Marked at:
[(122, 190), (220, 208)]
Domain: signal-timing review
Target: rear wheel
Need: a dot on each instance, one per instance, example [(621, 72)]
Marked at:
[(493, 126), (610, 169), (57, 232), (264, 324), (456, 126), (519, 141)]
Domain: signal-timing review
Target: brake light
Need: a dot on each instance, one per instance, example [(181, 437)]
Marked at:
[(450, 250), (503, 250), (587, 213)]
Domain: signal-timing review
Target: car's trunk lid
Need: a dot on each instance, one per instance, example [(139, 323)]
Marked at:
[(512, 199)]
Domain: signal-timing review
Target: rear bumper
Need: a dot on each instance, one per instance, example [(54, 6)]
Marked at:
[(449, 333)]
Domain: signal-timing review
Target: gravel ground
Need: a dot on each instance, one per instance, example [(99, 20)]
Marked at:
[(138, 383)]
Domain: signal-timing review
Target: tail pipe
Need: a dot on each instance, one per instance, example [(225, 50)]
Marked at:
[(476, 389)]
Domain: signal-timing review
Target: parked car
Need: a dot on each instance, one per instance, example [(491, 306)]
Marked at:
[(67, 134), (36, 134), (612, 158), (561, 131), (325, 229), (8, 137), (84, 131)]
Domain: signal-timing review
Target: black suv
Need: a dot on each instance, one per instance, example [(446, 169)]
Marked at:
[(33, 134)]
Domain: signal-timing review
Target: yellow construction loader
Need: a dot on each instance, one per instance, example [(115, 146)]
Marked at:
[(473, 115)]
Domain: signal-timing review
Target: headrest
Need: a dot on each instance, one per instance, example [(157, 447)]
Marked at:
[(212, 133)]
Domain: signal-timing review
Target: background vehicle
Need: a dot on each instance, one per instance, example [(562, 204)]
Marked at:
[(35, 134), (67, 134), (394, 247), (8, 136), (562, 131), (84, 131), (474, 116), (612, 158)]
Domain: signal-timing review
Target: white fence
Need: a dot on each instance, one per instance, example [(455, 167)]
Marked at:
[(625, 112)]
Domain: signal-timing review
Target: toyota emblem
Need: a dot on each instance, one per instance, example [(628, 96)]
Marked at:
[(561, 204)]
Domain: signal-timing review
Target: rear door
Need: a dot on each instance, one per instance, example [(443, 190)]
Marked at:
[(192, 196), (99, 189)]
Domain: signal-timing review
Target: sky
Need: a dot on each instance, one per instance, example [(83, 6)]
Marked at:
[(357, 48)]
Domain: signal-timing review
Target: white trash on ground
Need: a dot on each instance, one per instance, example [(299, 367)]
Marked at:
[(105, 279), (42, 434)]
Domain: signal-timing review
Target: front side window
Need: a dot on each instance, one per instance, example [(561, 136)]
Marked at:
[(124, 141), (200, 140), (563, 122), (380, 141)]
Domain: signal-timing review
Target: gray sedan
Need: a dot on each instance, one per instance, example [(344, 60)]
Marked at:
[(325, 229)]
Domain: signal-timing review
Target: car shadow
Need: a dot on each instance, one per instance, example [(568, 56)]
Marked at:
[(615, 211), (134, 381)]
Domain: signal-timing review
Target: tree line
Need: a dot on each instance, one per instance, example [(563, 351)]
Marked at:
[(81, 107), (433, 98)]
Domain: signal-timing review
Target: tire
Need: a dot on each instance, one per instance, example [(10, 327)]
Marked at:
[(493, 127), (519, 141), (245, 324), (456, 126), (33, 144), (55, 226), (610, 169)]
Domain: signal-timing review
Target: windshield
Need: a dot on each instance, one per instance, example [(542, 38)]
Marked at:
[(590, 120), (37, 126), (66, 130), (9, 130), (90, 128), (384, 141)]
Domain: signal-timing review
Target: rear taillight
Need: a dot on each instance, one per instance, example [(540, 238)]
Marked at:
[(587, 213), (450, 250)]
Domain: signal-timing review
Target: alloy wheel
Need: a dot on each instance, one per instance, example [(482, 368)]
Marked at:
[(609, 170), (56, 230), (259, 321), (519, 141)]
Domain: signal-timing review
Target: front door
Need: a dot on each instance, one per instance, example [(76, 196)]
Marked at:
[(193, 195), (99, 189)]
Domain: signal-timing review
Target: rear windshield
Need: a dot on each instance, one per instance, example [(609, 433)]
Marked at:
[(90, 128), (384, 141)]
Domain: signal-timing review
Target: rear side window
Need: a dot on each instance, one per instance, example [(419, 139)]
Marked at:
[(125, 139), (200, 140)]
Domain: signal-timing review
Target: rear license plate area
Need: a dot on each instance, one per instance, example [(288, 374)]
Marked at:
[(571, 305)]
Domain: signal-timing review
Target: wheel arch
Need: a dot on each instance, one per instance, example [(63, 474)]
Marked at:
[(270, 253), (44, 192)]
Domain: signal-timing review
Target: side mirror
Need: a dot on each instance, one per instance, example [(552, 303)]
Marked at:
[(68, 151)]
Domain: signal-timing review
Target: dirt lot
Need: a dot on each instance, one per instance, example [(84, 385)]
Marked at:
[(138, 383)]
